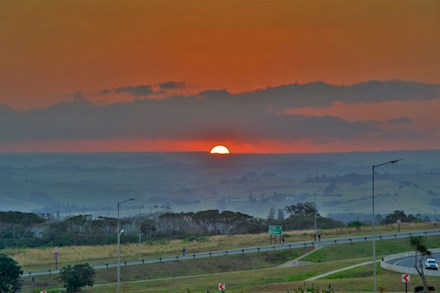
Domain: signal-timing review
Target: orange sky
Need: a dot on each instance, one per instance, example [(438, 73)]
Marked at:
[(50, 50)]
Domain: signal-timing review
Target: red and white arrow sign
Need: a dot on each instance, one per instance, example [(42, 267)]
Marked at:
[(222, 286), (406, 278)]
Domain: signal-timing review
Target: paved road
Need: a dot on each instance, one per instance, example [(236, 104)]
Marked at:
[(408, 261), (264, 248)]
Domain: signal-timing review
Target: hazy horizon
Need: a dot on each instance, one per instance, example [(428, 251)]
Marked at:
[(93, 183)]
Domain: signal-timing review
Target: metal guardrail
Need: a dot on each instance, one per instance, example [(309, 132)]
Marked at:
[(256, 249)]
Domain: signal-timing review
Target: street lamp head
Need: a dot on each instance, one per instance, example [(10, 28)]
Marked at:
[(130, 199), (121, 232), (386, 163)]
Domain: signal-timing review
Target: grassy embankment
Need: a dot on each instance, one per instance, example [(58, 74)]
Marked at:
[(256, 272), (34, 259)]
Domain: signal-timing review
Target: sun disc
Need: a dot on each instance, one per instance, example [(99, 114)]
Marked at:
[(220, 150)]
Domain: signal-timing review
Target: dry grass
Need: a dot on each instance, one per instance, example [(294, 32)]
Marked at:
[(42, 258)]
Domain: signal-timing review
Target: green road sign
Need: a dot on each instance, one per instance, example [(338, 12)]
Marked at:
[(275, 230)]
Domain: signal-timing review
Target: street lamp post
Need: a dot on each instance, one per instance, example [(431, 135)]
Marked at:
[(373, 217), (119, 244), (316, 227), (139, 244)]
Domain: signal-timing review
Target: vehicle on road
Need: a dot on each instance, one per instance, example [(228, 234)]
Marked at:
[(431, 264)]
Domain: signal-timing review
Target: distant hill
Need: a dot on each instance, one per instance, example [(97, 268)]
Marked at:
[(94, 182)]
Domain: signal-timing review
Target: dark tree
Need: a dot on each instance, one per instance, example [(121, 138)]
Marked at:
[(20, 218), (280, 215), (400, 215), (212, 221), (10, 273), (147, 227), (302, 209), (234, 222), (356, 224), (78, 276), (420, 248), (271, 215), (174, 224)]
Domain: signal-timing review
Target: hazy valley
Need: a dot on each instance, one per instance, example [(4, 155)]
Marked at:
[(93, 183)]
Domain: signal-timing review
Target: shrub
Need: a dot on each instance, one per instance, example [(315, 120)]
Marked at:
[(78, 276), (10, 273)]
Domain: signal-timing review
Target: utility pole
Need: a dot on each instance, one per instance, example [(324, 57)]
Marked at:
[(118, 276)]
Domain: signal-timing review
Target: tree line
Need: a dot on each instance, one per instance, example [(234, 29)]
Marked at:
[(29, 230)]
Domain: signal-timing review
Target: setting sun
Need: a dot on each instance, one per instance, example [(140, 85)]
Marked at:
[(220, 150)]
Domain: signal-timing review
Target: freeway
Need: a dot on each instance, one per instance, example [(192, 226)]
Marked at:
[(255, 249)]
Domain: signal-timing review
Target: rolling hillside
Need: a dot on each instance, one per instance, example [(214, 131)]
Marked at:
[(95, 182)]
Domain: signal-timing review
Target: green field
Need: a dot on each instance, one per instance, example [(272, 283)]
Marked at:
[(256, 272), (241, 275), (363, 249)]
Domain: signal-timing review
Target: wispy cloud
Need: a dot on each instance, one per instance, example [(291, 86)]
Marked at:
[(402, 120), (140, 90), (145, 89), (105, 91), (171, 85)]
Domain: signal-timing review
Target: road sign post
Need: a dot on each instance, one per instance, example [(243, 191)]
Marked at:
[(406, 278), (55, 255), (274, 231)]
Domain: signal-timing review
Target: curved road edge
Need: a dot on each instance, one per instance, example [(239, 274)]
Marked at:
[(405, 270)]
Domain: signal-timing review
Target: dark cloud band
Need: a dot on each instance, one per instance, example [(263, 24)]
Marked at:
[(140, 90), (211, 115)]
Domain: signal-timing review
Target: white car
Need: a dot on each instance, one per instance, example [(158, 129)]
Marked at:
[(431, 264)]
